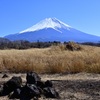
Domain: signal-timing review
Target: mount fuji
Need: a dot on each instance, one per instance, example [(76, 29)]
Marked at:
[(52, 29)]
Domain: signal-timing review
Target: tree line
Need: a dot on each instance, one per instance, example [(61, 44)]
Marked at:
[(23, 44)]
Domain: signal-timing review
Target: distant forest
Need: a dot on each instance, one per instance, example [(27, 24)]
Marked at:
[(23, 44)]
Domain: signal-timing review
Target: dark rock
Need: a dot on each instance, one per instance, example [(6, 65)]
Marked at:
[(50, 92), (32, 78), (33, 88), (30, 91), (40, 84), (48, 83), (5, 76), (1, 90), (16, 94), (11, 85)]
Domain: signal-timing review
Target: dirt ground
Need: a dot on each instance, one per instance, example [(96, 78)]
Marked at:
[(80, 86)]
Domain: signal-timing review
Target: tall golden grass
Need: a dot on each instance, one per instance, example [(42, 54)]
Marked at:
[(51, 60)]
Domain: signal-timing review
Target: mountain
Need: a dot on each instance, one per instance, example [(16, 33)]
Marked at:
[(52, 29), (4, 40)]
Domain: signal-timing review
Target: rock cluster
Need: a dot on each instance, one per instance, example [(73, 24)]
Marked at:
[(33, 88)]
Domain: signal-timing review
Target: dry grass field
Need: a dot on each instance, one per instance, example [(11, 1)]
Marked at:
[(51, 60)]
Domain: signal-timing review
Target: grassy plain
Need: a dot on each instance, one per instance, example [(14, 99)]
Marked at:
[(51, 60)]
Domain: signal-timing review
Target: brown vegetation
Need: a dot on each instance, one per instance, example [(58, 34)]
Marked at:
[(55, 59)]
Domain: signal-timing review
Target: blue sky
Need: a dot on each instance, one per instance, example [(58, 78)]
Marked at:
[(17, 15)]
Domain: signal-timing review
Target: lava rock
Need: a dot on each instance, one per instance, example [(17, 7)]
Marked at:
[(15, 94), (32, 78), (33, 88), (5, 76), (30, 91), (11, 85), (50, 92), (1, 90), (48, 83), (40, 84)]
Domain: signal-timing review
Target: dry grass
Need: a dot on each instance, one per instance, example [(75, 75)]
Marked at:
[(51, 60)]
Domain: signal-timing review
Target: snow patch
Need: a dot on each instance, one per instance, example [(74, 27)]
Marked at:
[(48, 23)]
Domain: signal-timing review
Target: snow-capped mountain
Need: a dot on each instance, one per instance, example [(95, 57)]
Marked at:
[(47, 23), (52, 29)]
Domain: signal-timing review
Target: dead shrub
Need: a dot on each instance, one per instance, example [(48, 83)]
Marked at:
[(73, 46)]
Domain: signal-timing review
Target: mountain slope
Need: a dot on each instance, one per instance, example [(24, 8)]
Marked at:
[(52, 29)]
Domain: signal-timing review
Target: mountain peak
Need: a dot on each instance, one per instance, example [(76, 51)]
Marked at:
[(48, 23)]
